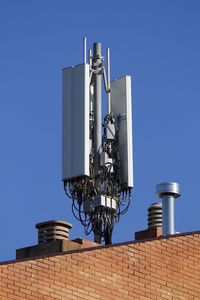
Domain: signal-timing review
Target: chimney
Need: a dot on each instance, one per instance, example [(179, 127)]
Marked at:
[(168, 191), (155, 215), (52, 231), (53, 237), (154, 223)]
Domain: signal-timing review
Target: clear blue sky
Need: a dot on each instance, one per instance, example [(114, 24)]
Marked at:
[(157, 42)]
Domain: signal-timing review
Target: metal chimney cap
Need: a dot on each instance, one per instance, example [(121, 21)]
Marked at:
[(167, 189)]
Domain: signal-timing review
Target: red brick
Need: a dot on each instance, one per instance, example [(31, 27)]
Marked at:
[(147, 270), (2, 293)]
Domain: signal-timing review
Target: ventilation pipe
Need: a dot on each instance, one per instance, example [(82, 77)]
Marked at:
[(168, 191)]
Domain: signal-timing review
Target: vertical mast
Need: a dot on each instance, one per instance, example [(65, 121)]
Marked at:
[(97, 105), (84, 50), (108, 84)]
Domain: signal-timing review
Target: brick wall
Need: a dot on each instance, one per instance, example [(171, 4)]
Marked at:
[(161, 268)]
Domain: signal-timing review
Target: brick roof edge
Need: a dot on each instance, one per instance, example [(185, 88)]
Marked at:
[(101, 247)]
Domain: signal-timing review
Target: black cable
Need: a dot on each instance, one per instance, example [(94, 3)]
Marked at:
[(66, 192), (125, 210), (73, 212), (83, 222)]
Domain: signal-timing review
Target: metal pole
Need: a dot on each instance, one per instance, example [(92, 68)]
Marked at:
[(97, 105), (108, 75), (168, 215), (97, 114), (90, 57), (168, 191), (97, 238), (84, 50)]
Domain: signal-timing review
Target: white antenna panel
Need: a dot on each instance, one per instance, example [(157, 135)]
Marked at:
[(121, 104), (75, 122)]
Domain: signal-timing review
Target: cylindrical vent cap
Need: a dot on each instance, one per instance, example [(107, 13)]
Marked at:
[(52, 231), (155, 215), (168, 188)]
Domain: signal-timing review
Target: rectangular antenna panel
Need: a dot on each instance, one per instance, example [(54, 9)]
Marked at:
[(75, 122), (121, 104)]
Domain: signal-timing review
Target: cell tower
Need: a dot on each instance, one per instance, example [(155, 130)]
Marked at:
[(97, 154)]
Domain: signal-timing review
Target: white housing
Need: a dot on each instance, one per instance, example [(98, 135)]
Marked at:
[(121, 104), (75, 122)]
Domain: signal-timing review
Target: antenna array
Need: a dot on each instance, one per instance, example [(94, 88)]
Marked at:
[(97, 168)]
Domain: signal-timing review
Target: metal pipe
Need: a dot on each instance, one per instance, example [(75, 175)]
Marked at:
[(167, 192), (108, 75), (97, 105), (97, 238), (104, 79), (84, 50), (90, 57), (168, 215)]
